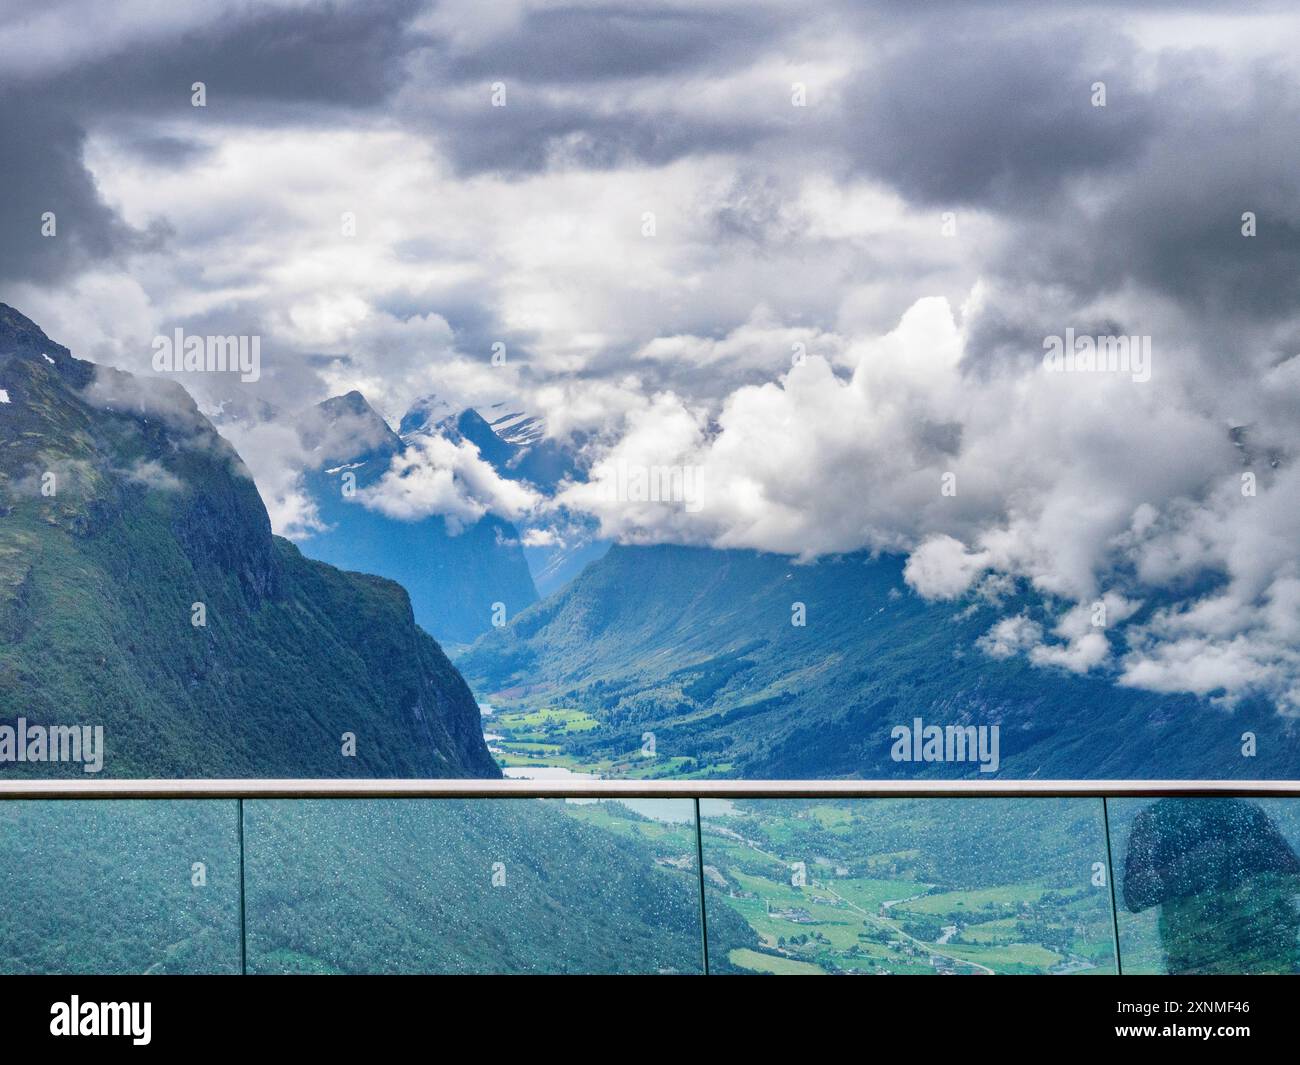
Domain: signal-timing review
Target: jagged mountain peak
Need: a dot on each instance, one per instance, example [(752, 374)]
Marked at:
[(21, 335), (345, 429), (514, 426), (352, 405), (23, 339), (431, 416), (349, 403), (502, 434), (425, 416), (453, 580)]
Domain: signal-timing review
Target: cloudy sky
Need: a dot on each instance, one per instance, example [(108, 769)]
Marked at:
[(810, 251)]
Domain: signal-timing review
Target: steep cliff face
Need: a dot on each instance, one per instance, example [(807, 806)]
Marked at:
[(141, 589)]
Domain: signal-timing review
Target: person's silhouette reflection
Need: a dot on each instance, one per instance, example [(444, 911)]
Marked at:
[(1226, 881)]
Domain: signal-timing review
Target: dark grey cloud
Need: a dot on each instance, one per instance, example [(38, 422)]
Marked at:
[(326, 54), (1174, 223), (1169, 224), (964, 113), (264, 67), (43, 172), (165, 150), (532, 133), (570, 74), (579, 45), (1145, 194), (954, 105)]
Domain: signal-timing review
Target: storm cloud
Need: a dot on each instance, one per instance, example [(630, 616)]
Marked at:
[(814, 251)]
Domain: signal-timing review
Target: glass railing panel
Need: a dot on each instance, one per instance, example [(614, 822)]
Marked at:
[(119, 887), (911, 886), (471, 886), (1207, 885)]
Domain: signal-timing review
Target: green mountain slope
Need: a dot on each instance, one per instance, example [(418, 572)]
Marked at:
[(121, 511), (697, 647)]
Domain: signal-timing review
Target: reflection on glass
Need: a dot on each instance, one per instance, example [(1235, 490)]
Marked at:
[(119, 887), (915, 886), (1209, 885), (486, 886)]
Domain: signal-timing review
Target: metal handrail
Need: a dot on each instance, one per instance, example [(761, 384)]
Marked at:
[(571, 788)]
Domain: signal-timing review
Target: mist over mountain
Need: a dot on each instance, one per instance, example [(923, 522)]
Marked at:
[(141, 590), (705, 649), (455, 576), (515, 445), (455, 511)]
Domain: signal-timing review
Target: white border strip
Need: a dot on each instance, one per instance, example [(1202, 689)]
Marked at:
[(640, 789)]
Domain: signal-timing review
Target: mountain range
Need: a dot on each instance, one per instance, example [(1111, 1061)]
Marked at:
[(155, 521), (514, 444), (454, 580), (461, 576), (698, 647)]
